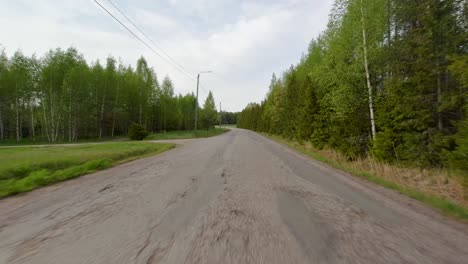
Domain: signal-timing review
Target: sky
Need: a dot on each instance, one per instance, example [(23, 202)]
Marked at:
[(243, 42)]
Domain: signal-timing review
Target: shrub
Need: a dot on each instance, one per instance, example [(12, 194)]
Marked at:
[(137, 132)]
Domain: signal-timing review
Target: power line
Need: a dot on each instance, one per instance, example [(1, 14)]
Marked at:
[(144, 34), (142, 41)]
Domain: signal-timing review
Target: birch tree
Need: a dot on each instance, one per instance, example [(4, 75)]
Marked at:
[(3, 89), (65, 99), (21, 74), (366, 67)]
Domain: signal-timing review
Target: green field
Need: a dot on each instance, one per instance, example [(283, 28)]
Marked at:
[(183, 134), (25, 168)]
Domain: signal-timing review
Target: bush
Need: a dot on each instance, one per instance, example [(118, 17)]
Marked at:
[(137, 132)]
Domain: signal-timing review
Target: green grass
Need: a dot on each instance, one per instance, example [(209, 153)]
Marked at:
[(447, 207), (184, 134), (26, 168)]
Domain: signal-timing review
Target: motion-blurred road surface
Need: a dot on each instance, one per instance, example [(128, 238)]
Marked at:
[(234, 198)]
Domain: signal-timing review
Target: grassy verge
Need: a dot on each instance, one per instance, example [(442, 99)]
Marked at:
[(447, 206), (27, 168), (184, 134)]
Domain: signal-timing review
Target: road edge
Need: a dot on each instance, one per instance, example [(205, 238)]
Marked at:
[(439, 204)]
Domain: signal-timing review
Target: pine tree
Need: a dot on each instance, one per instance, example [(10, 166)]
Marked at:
[(209, 115)]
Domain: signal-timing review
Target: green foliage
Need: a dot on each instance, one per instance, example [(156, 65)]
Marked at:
[(183, 134), (137, 132), (62, 98), (459, 157), (229, 118), (209, 115), (417, 73), (26, 168)]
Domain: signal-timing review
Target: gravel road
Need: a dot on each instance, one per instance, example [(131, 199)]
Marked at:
[(234, 198)]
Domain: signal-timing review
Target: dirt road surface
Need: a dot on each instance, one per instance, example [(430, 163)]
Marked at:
[(234, 198)]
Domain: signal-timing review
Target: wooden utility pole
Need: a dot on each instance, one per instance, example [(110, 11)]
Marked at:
[(196, 103)]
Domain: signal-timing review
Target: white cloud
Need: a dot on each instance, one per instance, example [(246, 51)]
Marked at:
[(243, 42)]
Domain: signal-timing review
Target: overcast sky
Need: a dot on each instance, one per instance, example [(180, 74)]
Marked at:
[(242, 42)]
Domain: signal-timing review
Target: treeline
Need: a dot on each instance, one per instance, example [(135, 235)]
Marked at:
[(229, 118), (387, 79), (61, 97)]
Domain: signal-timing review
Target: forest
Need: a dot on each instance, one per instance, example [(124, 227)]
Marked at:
[(63, 98), (387, 79)]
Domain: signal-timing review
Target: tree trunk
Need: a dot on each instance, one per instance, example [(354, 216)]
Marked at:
[(17, 114), (97, 111), (151, 121), (57, 126), (102, 108), (33, 133), (70, 117), (160, 118), (52, 116), (140, 105), (45, 124), (439, 90), (52, 121), (389, 21), (113, 124), (439, 101), (389, 37), (74, 129), (21, 122), (115, 107), (140, 114), (102, 115), (366, 67)]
